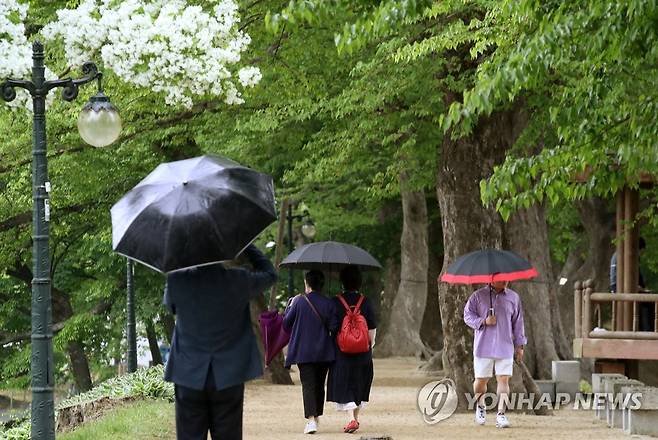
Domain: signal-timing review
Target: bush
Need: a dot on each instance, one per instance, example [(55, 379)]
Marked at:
[(146, 383)]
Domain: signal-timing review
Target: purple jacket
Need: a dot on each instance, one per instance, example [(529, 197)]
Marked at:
[(310, 340), (497, 341)]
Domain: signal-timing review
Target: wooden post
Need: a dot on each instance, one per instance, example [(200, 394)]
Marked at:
[(587, 310), (578, 308), (655, 319), (631, 254), (618, 306), (614, 316), (636, 315), (278, 252)]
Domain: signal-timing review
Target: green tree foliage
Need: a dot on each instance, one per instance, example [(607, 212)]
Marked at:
[(333, 131), (587, 74)]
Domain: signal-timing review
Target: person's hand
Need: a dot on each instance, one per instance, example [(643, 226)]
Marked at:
[(518, 352), (491, 320)]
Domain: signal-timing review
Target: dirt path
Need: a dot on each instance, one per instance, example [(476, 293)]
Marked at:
[(275, 413)]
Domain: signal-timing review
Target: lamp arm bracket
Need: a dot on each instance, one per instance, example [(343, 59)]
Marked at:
[(8, 88), (70, 86)]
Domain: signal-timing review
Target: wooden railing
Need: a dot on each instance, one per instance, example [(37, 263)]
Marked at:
[(585, 300)]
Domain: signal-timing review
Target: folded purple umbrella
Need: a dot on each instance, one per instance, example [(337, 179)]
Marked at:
[(275, 337)]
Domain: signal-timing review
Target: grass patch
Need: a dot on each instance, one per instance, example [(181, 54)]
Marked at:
[(143, 420)]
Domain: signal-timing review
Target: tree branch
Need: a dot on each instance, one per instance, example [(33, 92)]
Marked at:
[(6, 168), (26, 217), (6, 338)]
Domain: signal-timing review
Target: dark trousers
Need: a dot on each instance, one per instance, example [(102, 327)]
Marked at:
[(313, 377), (217, 411)]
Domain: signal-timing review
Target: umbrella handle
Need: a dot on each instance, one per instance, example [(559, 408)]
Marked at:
[(491, 312)]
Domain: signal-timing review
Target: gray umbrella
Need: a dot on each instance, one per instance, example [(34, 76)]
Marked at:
[(192, 212), (330, 256)]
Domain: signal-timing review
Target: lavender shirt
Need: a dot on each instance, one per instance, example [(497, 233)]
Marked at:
[(497, 341)]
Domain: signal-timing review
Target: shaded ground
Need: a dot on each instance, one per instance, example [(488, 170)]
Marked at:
[(275, 413)]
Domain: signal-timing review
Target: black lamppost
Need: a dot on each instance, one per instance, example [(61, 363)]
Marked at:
[(99, 124), (308, 231), (131, 332)]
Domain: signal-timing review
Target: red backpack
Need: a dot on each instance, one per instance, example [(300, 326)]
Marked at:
[(353, 334)]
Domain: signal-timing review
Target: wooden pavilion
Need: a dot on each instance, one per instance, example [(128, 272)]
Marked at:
[(622, 342)]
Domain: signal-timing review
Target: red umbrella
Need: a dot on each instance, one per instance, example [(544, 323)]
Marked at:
[(488, 266)]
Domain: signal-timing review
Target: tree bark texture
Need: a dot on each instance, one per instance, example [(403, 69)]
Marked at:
[(591, 258), (403, 335), (154, 347), (79, 365), (168, 324), (430, 330), (527, 234), (468, 226)]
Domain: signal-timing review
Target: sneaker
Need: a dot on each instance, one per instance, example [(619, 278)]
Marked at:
[(501, 421), (351, 427), (311, 427), (480, 415)]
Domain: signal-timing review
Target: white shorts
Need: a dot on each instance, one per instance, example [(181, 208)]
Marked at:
[(484, 367)]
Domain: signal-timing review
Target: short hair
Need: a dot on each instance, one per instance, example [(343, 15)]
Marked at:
[(642, 244), (351, 278), (314, 279)]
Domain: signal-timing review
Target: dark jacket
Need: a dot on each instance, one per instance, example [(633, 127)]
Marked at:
[(213, 324), (310, 340)]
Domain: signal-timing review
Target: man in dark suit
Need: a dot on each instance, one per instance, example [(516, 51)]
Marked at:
[(214, 350)]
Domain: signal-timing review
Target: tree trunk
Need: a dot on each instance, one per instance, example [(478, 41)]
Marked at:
[(63, 310), (527, 234), (168, 323), (152, 337), (467, 226), (589, 260), (430, 331), (403, 335), (79, 365), (391, 285)]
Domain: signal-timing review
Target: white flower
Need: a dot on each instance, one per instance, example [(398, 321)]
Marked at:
[(249, 76), (167, 46), (15, 50)]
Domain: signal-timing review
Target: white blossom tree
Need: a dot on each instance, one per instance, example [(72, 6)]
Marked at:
[(172, 47)]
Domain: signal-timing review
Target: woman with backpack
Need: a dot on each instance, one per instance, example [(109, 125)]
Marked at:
[(311, 320), (350, 377)]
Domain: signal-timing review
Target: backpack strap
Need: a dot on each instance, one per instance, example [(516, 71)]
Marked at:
[(324, 324), (357, 308), (347, 307)]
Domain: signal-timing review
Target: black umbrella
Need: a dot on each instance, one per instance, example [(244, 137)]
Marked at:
[(192, 212), (330, 256), (487, 266)]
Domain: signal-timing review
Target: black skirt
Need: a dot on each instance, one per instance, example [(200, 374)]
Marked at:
[(350, 378)]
